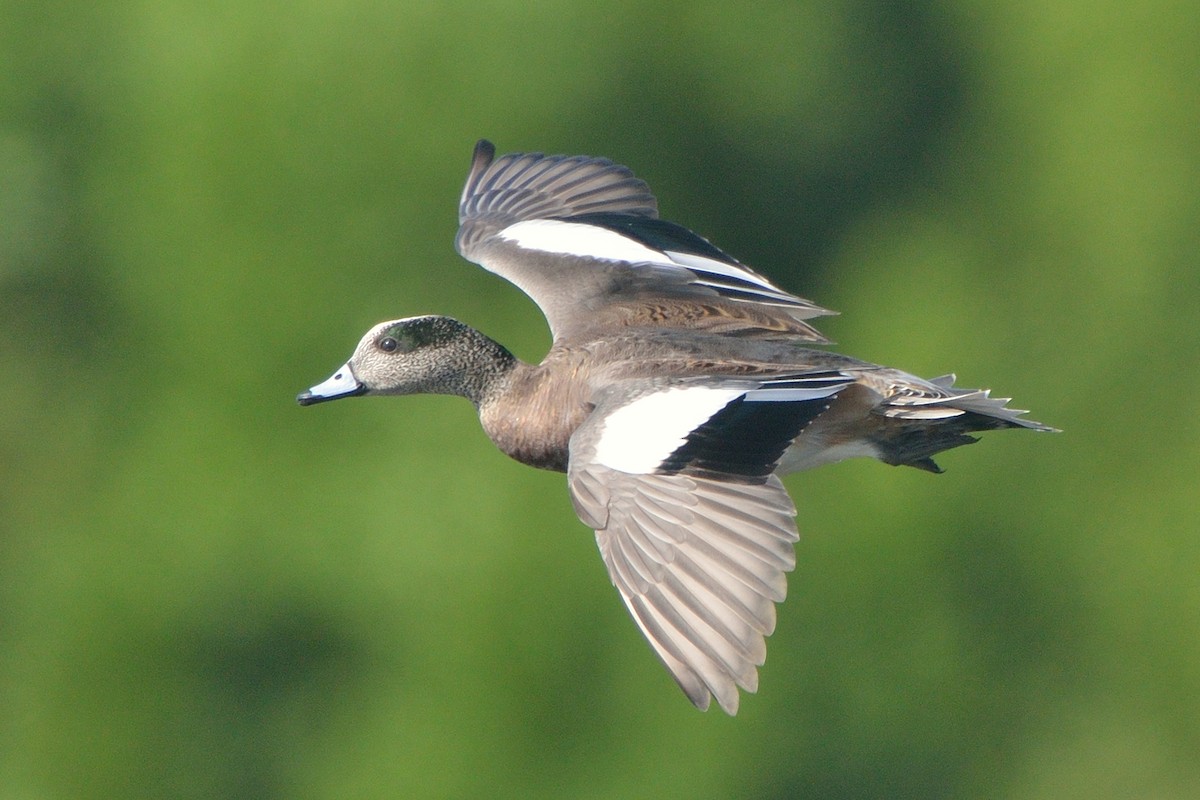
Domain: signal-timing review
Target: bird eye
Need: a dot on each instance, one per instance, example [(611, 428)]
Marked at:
[(388, 344)]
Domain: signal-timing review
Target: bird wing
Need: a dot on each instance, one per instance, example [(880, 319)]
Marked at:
[(582, 237), (695, 530), (699, 564)]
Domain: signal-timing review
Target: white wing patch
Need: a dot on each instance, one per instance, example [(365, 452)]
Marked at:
[(593, 241), (578, 239), (771, 394), (638, 437), (711, 265)]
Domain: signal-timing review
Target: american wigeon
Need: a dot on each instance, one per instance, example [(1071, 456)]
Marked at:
[(679, 386)]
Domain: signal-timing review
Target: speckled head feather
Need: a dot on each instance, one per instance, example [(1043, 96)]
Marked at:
[(424, 355)]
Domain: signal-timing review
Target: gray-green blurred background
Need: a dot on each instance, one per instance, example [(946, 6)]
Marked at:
[(208, 592)]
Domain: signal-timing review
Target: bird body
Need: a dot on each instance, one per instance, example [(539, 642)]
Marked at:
[(679, 386)]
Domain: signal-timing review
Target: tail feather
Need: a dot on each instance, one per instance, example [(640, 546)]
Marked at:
[(924, 418), (949, 402)]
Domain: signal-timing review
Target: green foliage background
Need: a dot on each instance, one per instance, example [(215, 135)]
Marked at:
[(208, 592)]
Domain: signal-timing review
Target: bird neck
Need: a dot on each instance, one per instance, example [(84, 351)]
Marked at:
[(486, 368)]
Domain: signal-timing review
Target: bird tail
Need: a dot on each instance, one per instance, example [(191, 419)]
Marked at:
[(923, 418)]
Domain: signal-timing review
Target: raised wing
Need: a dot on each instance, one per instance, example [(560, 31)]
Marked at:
[(525, 186), (581, 236)]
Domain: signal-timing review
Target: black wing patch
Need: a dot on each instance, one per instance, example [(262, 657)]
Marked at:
[(746, 438)]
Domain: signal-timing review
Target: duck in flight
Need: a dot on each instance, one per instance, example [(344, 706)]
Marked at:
[(680, 384)]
